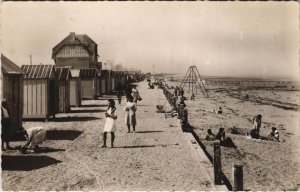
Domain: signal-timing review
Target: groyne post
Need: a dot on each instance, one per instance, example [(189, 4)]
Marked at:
[(217, 163), (237, 177)]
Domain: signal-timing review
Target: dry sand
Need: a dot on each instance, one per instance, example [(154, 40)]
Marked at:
[(267, 165), (157, 157)]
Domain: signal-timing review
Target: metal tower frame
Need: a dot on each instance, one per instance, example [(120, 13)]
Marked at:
[(194, 80)]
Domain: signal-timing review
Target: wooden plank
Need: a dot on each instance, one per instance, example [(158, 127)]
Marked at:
[(25, 97), (43, 97), (73, 95), (30, 98), (38, 98), (103, 86)]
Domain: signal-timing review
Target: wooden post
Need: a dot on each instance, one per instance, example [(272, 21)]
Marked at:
[(237, 177), (217, 163)]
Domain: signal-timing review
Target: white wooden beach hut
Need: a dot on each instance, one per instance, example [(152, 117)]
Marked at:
[(40, 97)]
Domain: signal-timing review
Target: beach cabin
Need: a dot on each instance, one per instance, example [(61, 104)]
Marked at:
[(106, 82), (77, 51), (88, 83), (75, 88), (12, 90), (40, 97), (62, 76)]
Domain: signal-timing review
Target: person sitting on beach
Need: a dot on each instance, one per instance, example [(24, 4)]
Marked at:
[(220, 111), (193, 97), (34, 136), (224, 141), (210, 136), (257, 123), (274, 135)]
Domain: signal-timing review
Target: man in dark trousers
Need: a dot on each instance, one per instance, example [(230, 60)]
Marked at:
[(5, 124)]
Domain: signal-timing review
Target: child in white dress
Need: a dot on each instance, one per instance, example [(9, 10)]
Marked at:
[(110, 122), (130, 117)]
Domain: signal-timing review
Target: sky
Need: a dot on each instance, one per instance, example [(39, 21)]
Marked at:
[(220, 38)]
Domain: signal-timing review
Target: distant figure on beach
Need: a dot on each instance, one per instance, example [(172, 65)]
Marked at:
[(5, 125), (110, 122), (257, 123), (225, 141), (130, 117), (210, 136), (193, 97), (135, 95), (119, 94), (220, 111), (35, 136), (128, 91), (274, 135)]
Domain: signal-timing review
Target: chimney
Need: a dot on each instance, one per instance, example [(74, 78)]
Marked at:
[(72, 34)]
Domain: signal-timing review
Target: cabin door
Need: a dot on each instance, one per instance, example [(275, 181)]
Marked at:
[(52, 98), (61, 96)]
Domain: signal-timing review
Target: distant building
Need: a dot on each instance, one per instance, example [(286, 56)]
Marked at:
[(76, 51)]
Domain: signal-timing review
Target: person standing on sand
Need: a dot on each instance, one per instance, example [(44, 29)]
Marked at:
[(119, 94), (110, 122), (5, 125), (257, 123), (130, 117)]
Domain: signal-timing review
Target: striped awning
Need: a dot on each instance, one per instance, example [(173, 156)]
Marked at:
[(62, 73), (38, 71), (88, 73)]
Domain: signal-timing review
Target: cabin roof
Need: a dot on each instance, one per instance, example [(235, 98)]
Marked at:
[(88, 73), (38, 71), (76, 39), (62, 73), (8, 67)]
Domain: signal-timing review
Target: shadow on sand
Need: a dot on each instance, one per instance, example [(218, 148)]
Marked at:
[(26, 163), (148, 131), (136, 146), (87, 111), (68, 119), (62, 134)]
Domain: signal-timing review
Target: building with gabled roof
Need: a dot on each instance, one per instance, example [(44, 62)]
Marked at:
[(76, 51), (12, 90)]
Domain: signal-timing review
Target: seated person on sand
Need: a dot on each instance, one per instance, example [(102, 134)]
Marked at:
[(160, 109), (225, 141), (220, 111), (193, 97), (274, 135), (210, 136), (34, 136)]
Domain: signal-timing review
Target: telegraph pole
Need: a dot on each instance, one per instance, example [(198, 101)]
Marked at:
[(30, 59)]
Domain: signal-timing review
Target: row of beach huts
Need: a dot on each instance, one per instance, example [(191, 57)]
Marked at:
[(41, 91)]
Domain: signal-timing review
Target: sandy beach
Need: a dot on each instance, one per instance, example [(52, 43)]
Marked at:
[(267, 165)]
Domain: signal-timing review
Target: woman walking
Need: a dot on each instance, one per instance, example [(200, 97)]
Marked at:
[(130, 117), (110, 122)]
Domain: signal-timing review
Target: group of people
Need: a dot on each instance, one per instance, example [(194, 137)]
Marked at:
[(130, 108), (255, 132)]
